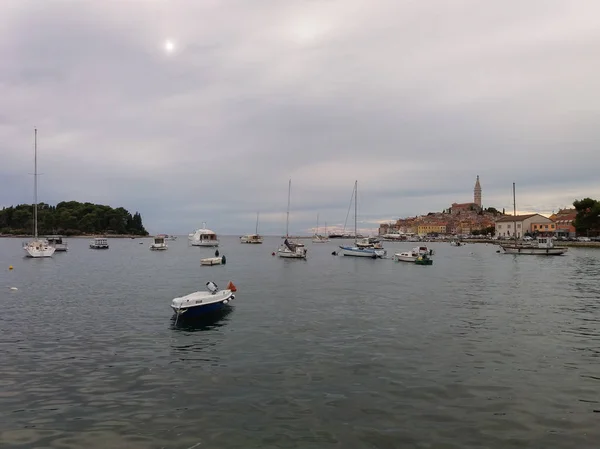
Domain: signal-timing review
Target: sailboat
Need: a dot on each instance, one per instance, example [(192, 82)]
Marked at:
[(317, 238), (290, 249), (37, 248), (543, 244), (252, 238), (355, 250)]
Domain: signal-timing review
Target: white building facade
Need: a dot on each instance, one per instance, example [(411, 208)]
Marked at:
[(508, 226)]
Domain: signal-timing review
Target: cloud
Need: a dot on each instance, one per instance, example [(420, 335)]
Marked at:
[(412, 99)]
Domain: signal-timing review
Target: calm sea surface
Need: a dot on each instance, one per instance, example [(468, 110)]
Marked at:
[(480, 350)]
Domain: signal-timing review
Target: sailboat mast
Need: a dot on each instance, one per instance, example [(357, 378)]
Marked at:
[(287, 220), (355, 208), (35, 223), (257, 223), (515, 213), (317, 231)]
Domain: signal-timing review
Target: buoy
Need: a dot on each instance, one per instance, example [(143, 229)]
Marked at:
[(273, 253), (231, 287), (223, 259), (225, 301), (14, 288), (10, 267)]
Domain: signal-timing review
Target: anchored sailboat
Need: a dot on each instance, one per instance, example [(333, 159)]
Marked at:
[(357, 251), (252, 238), (290, 249), (37, 248)]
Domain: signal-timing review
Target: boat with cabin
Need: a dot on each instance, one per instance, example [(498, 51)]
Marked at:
[(204, 237), (290, 249), (99, 243), (57, 242), (255, 238), (159, 243), (543, 246), (201, 303), (361, 251), (37, 248)]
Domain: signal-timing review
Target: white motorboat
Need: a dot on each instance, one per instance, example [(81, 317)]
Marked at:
[(406, 256), (543, 246), (362, 246), (170, 237), (57, 242), (99, 243), (290, 249), (159, 243), (202, 303), (37, 247), (252, 238), (204, 237)]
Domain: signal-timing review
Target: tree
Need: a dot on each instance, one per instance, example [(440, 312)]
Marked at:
[(588, 216)]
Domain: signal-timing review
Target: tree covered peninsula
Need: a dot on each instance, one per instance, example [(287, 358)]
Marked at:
[(71, 218)]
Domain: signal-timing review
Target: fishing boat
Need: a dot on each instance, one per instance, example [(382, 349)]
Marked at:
[(204, 237), (201, 303), (290, 249), (318, 238), (37, 247), (543, 245), (406, 256), (99, 243), (252, 238), (159, 243), (57, 242), (358, 251)]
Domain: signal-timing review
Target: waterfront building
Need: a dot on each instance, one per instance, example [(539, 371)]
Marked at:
[(505, 226), (564, 219)]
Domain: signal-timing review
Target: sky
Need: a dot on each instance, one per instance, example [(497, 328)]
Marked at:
[(201, 111)]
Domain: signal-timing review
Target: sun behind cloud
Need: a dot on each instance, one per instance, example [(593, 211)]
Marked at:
[(169, 46)]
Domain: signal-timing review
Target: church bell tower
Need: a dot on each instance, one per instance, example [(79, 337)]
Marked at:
[(477, 192)]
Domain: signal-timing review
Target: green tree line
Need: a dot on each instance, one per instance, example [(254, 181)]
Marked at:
[(71, 218)]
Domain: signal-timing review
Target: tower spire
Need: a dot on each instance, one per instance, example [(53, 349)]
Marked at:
[(477, 192)]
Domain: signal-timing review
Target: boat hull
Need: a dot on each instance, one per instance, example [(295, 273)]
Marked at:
[(210, 261), (208, 244), (291, 254), (363, 252), (404, 258), (36, 253), (555, 251), (99, 246), (200, 304)]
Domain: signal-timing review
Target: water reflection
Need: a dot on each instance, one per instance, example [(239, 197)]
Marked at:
[(204, 323)]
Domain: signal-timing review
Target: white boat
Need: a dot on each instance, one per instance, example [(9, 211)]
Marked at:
[(57, 242), (159, 243), (290, 249), (202, 303), (170, 237), (252, 238), (210, 261), (99, 243), (318, 238), (543, 246), (407, 256), (37, 247), (204, 237), (361, 251)]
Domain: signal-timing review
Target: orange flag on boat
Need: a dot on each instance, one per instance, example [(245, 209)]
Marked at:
[(231, 287)]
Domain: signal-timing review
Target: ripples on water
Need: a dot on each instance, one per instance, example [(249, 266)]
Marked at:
[(478, 350)]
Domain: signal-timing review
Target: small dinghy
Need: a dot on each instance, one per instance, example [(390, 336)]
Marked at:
[(213, 261), (201, 303)]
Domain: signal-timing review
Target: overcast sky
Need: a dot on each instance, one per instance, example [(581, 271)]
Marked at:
[(200, 111)]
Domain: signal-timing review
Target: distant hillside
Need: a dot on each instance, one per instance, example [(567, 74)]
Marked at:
[(71, 218)]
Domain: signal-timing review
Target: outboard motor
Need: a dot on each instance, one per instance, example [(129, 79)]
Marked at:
[(212, 287)]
